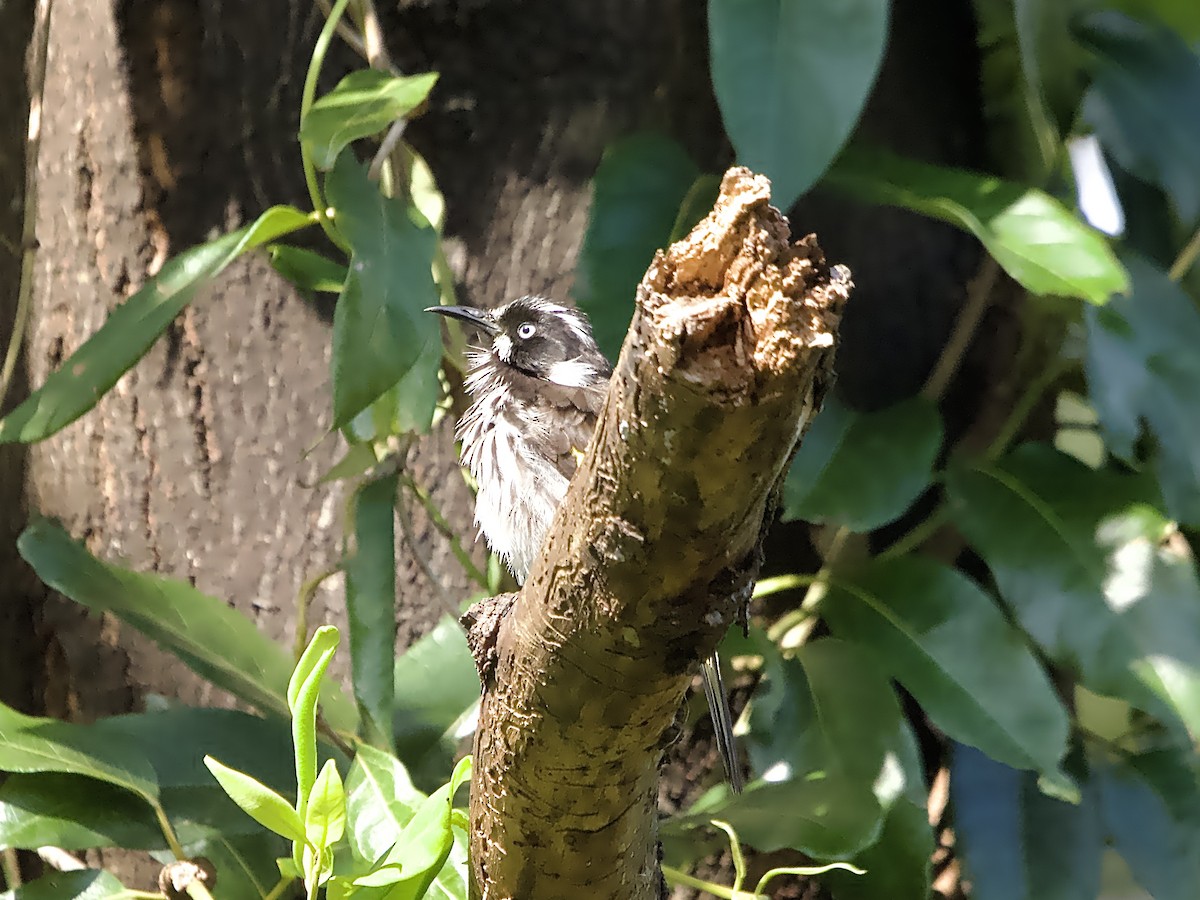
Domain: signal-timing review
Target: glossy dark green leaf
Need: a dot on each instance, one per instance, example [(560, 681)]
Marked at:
[(380, 800), (830, 714), (1036, 240), (863, 470), (379, 328), (825, 818), (1145, 82), (1142, 367), (933, 629), (1016, 842), (791, 77), (371, 606), (175, 742), (29, 744), (86, 884), (306, 270), (896, 865), (74, 812), (364, 103), (1151, 809), (133, 326), (1083, 564), (215, 640), (437, 689), (636, 197)]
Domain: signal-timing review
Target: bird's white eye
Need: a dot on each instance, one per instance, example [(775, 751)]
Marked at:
[(526, 330)]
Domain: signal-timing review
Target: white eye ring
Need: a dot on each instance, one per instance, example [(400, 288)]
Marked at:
[(526, 330)]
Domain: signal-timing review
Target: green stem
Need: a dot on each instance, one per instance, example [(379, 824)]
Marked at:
[(1186, 258), (303, 602), (917, 535), (11, 867), (164, 825), (324, 39), (37, 83), (197, 891), (675, 876), (439, 522), (1020, 412), (777, 584), (280, 886)]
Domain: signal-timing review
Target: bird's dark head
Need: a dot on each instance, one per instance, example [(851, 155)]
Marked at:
[(540, 339)]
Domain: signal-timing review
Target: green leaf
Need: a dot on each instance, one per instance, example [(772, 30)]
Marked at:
[(371, 606), (697, 203), (943, 638), (302, 694), (1082, 563), (261, 803), (379, 329), (1142, 366), (896, 865), (1151, 808), (636, 197), (791, 77), (325, 813), (437, 689), (74, 812), (364, 103), (216, 641), (1144, 79), (1033, 237), (820, 816), (425, 842), (863, 470), (306, 270), (133, 326), (380, 800), (1017, 842), (1181, 16), (45, 745), (827, 714), (86, 884)]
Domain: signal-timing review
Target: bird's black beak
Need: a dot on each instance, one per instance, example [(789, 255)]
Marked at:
[(477, 317)]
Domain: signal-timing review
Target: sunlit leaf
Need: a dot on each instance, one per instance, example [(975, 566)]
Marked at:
[(1083, 563), (216, 641), (133, 326), (86, 884), (1037, 240), (258, 801), (364, 103)]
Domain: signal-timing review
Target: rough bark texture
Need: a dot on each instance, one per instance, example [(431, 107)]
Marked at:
[(652, 554)]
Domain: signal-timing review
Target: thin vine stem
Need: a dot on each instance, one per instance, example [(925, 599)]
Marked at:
[(33, 141), (1186, 258), (439, 522), (324, 39)]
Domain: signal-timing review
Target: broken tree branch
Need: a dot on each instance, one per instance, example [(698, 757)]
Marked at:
[(652, 555)]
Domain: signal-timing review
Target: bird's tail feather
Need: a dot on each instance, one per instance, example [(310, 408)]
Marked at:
[(718, 707)]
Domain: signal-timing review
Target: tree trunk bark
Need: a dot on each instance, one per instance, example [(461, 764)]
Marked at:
[(654, 552)]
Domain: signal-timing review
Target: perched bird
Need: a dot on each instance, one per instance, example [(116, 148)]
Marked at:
[(536, 391)]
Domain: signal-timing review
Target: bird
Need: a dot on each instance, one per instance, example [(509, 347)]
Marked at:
[(536, 388)]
